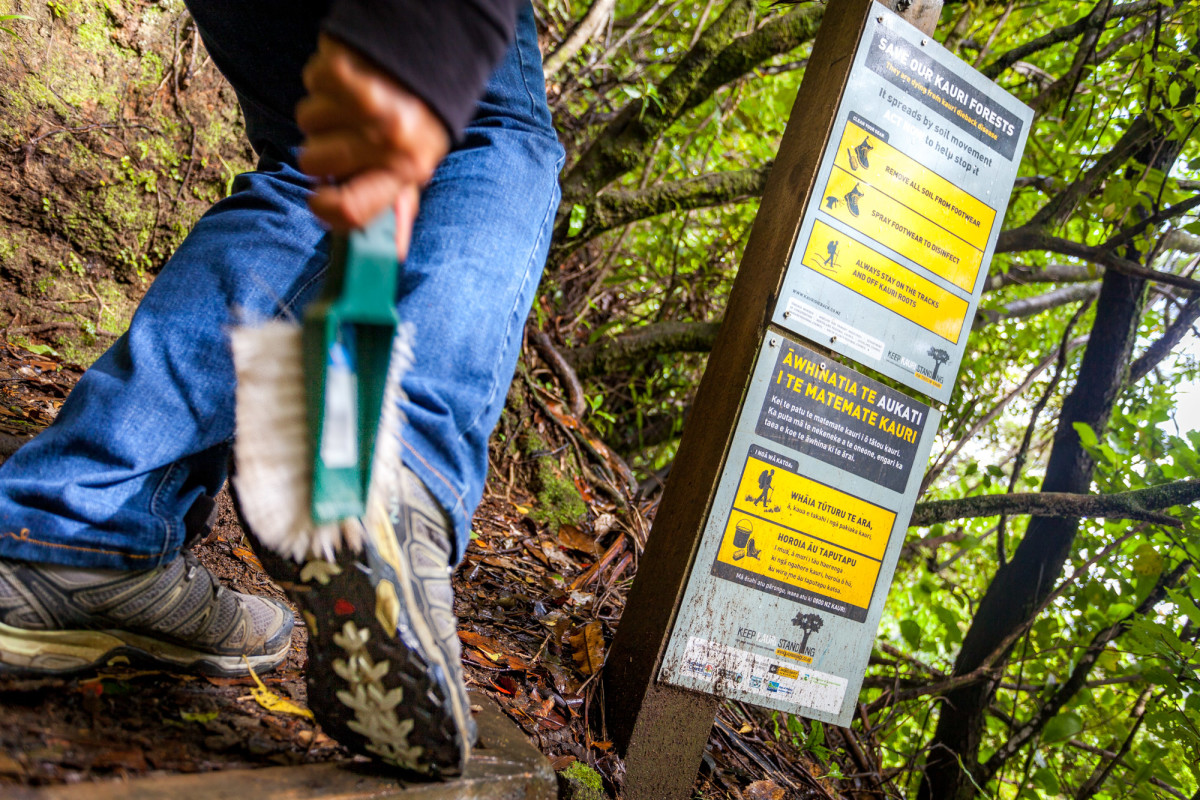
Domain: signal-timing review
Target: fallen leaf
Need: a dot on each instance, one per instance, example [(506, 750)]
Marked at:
[(557, 556), (10, 766), (580, 598), (584, 490), (537, 553), (198, 716), (604, 523), (219, 681), (504, 562), (271, 701), (572, 537), (247, 555), (763, 790), (488, 645), (588, 648), (492, 650), (475, 657)]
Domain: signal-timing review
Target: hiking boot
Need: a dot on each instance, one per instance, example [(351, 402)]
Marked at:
[(384, 672), (57, 620), (862, 150), (851, 198)]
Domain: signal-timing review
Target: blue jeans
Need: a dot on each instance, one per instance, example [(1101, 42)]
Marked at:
[(144, 438)]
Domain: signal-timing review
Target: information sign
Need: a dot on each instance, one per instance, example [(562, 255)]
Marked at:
[(806, 527), (893, 250)]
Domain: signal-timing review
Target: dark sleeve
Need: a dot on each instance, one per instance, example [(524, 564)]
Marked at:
[(442, 50)]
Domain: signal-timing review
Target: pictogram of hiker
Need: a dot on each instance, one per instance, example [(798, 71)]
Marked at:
[(831, 260), (764, 483)]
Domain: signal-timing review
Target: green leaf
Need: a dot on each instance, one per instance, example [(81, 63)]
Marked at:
[(1118, 611), (575, 225), (1045, 780), (1173, 93), (1087, 436), (1062, 727), (911, 632)]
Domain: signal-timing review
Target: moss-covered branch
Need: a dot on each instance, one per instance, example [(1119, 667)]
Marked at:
[(719, 56), (616, 208), (777, 36), (623, 143), (612, 355), (1142, 504)]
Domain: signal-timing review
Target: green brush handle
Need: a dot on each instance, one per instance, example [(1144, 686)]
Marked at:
[(347, 338)]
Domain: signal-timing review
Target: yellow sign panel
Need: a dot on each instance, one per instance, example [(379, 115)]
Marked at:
[(878, 278), (802, 504), (871, 212), (802, 534), (794, 559), (910, 183)]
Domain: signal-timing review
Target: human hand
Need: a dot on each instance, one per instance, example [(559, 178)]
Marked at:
[(375, 142)]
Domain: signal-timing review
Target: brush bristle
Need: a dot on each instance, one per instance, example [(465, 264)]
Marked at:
[(272, 453)]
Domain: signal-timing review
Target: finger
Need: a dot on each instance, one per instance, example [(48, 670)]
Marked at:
[(338, 154), (321, 113), (406, 215), (355, 203), (343, 153)]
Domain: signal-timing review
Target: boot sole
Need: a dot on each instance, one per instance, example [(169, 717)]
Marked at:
[(66, 652), (377, 680)]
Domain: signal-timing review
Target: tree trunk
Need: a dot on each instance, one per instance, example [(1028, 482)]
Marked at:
[(1021, 584), (1024, 582)]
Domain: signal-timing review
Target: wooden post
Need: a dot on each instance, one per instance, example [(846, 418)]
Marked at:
[(661, 730)]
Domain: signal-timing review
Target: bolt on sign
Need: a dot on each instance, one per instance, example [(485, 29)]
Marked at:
[(893, 250), (825, 464)]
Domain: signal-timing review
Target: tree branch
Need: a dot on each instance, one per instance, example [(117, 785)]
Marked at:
[(990, 668), (1029, 306), (622, 144), (1100, 751), (1065, 33), (776, 36), (1078, 677), (1141, 504), (579, 35), (616, 208), (944, 461), (1174, 335), (612, 355), (1020, 275), (1032, 238)]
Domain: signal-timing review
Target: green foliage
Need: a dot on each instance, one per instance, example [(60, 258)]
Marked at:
[(7, 18), (678, 267)]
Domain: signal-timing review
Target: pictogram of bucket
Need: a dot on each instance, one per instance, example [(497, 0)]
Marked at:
[(741, 534)]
